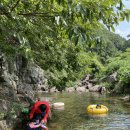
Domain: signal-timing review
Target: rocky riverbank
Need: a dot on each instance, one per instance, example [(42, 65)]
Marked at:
[(20, 79)]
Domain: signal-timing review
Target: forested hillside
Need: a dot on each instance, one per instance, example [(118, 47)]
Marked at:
[(66, 38)]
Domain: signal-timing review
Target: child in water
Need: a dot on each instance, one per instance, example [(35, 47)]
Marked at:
[(98, 106), (36, 126)]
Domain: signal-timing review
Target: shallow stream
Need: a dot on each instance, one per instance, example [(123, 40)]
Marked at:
[(74, 116)]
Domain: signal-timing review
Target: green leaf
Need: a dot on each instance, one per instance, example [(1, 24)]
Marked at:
[(70, 33), (112, 28), (59, 1), (37, 6), (116, 20), (78, 7), (121, 5), (52, 1), (76, 38), (127, 17)]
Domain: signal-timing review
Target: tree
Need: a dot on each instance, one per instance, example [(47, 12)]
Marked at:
[(42, 30), (78, 18)]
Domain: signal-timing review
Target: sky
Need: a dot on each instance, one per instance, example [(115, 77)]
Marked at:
[(124, 27)]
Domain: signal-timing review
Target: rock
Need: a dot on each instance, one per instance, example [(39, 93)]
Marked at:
[(14, 85), (17, 76), (7, 92), (112, 77), (70, 89), (126, 98), (43, 88), (40, 87), (87, 80), (37, 75), (87, 77), (18, 79), (25, 89), (53, 89), (25, 99), (93, 81), (4, 105), (95, 88), (103, 89), (84, 83), (79, 84), (3, 125), (89, 85), (82, 89), (47, 99)]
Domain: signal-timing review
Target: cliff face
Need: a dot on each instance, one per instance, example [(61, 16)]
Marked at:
[(18, 78)]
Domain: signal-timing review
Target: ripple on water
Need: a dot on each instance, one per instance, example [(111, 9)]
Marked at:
[(74, 117), (111, 122)]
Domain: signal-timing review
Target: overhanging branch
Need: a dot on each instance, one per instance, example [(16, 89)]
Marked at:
[(35, 14), (15, 5)]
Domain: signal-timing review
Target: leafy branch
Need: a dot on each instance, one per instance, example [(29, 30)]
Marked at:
[(15, 5)]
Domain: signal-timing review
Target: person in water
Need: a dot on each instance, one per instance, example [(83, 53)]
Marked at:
[(40, 111), (98, 106)]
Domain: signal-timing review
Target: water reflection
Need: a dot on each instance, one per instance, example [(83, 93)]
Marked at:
[(98, 115)]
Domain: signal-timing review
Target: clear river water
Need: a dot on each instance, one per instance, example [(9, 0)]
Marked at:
[(75, 117)]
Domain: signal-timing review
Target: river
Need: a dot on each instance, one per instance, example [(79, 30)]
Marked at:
[(75, 117)]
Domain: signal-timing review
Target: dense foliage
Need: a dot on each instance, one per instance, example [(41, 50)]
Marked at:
[(108, 44), (61, 35), (121, 65)]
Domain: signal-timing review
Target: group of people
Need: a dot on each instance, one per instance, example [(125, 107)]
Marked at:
[(38, 115)]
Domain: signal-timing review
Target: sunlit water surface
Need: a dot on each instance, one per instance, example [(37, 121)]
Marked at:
[(75, 117)]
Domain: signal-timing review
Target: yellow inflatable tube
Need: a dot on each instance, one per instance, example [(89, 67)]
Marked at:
[(94, 109)]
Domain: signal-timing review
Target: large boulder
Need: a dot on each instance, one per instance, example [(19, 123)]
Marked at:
[(36, 74), (86, 79), (53, 90), (24, 88), (89, 85), (82, 89), (112, 78), (3, 125), (7, 84), (126, 98), (18, 76), (7, 92), (96, 88), (70, 89)]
